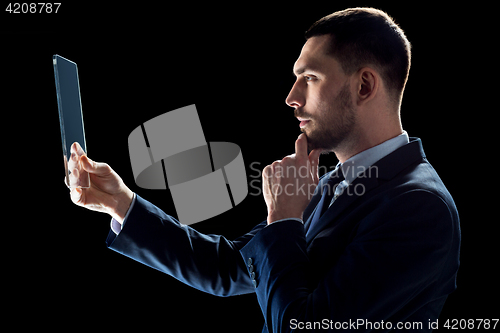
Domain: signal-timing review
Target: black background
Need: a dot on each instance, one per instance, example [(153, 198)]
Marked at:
[(234, 61)]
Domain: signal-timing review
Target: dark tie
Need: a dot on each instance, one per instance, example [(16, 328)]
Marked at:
[(327, 195)]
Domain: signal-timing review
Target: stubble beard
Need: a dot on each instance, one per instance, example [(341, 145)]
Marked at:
[(335, 129)]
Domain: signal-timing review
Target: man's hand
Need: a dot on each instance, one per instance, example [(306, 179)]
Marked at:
[(107, 192), (288, 185)]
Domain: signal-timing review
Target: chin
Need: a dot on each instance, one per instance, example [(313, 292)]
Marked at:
[(325, 143), (312, 143)]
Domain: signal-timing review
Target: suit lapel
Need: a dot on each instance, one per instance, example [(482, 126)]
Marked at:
[(311, 208), (356, 190), (384, 170)]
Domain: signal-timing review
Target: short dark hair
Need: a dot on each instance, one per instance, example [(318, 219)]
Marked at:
[(367, 36)]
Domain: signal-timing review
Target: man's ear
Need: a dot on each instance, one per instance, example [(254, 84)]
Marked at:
[(368, 84)]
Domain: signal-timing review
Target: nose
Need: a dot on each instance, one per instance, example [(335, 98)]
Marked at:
[(295, 98)]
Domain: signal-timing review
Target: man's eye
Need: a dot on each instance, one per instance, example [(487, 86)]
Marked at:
[(308, 78)]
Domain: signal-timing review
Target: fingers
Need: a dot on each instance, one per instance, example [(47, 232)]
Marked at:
[(88, 165), (94, 167), (77, 196), (268, 171), (74, 178), (301, 146), (314, 156), (76, 148), (76, 153), (73, 161), (314, 160), (80, 166)]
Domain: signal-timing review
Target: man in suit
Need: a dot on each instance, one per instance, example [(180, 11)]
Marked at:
[(373, 244)]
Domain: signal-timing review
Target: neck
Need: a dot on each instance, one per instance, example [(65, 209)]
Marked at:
[(366, 138)]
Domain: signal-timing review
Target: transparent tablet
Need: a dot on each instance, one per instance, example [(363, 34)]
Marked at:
[(70, 118)]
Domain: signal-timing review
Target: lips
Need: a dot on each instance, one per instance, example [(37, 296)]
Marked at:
[(303, 122)]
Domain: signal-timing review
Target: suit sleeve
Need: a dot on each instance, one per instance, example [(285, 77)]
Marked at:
[(398, 253), (210, 263)]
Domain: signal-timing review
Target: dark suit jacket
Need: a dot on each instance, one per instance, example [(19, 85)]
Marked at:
[(385, 254)]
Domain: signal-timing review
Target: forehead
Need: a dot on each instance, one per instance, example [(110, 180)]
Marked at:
[(314, 56)]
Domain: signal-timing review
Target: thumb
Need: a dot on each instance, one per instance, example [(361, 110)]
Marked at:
[(314, 160), (94, 167)]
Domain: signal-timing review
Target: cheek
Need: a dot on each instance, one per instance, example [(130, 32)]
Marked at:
[(317, 97), (326, 94), (324, 102)]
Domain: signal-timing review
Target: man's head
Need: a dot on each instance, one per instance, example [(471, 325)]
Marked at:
[(351, 73)]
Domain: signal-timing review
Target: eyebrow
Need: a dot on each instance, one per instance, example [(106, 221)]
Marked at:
[(304, 68)]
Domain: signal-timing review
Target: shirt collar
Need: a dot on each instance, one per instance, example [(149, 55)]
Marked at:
[(361, 162)]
